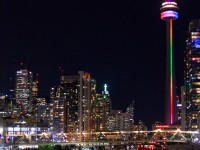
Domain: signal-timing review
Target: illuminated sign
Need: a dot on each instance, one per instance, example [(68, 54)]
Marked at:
[(162, 126)]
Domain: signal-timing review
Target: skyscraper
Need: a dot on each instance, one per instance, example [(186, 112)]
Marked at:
[(87, 102), (66, 93), (103, 108), (192, 76), (169, 13), (130, 110), (23, 89), (77, 94), (59, 115)]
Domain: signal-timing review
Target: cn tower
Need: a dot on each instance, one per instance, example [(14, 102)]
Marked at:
[(169, 13)]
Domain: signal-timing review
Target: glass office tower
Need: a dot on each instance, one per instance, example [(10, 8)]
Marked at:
[(23, 89), (192, 76)]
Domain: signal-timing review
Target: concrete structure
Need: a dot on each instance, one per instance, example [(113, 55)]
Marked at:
[(169, 13)]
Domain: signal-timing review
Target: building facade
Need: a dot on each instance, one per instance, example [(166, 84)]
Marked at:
[(59, 115), (192, 76), (103, 109), (23, 90), (130, 110), (40, 110), (79, 100), (35, 86)]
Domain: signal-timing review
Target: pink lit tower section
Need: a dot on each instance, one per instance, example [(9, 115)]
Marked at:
[(169, 13)]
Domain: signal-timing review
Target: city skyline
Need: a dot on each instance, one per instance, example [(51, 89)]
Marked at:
[(116, 42)]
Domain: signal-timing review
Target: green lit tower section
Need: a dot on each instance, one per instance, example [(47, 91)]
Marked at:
[(169, 13)]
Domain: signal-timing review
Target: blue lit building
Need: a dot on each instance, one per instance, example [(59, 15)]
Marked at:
[(192, 76)]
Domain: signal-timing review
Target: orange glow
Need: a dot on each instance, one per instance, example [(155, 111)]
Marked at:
[(162, 126), (196, 58), (86, 75)]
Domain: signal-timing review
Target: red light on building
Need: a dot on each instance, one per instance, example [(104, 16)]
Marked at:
[(162, 126)]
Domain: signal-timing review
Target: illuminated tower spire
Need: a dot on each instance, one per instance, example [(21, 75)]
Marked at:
[(169, 13), (105, 89)]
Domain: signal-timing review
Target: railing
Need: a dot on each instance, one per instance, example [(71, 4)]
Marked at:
[(106, 137)]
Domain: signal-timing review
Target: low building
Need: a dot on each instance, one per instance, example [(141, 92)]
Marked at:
[(118, 121)]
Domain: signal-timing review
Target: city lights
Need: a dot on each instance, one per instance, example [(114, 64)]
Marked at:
[(74, 113)]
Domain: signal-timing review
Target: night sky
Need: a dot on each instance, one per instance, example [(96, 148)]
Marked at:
[(119, 42)]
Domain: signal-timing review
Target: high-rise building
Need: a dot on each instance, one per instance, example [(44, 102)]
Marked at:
[(59, 115), (69, 90), (61, 111), (192, 76), (103, 108), (79, 100), (23, 90), (130, 110), (87, 102), (35, 86), (169, 13)]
